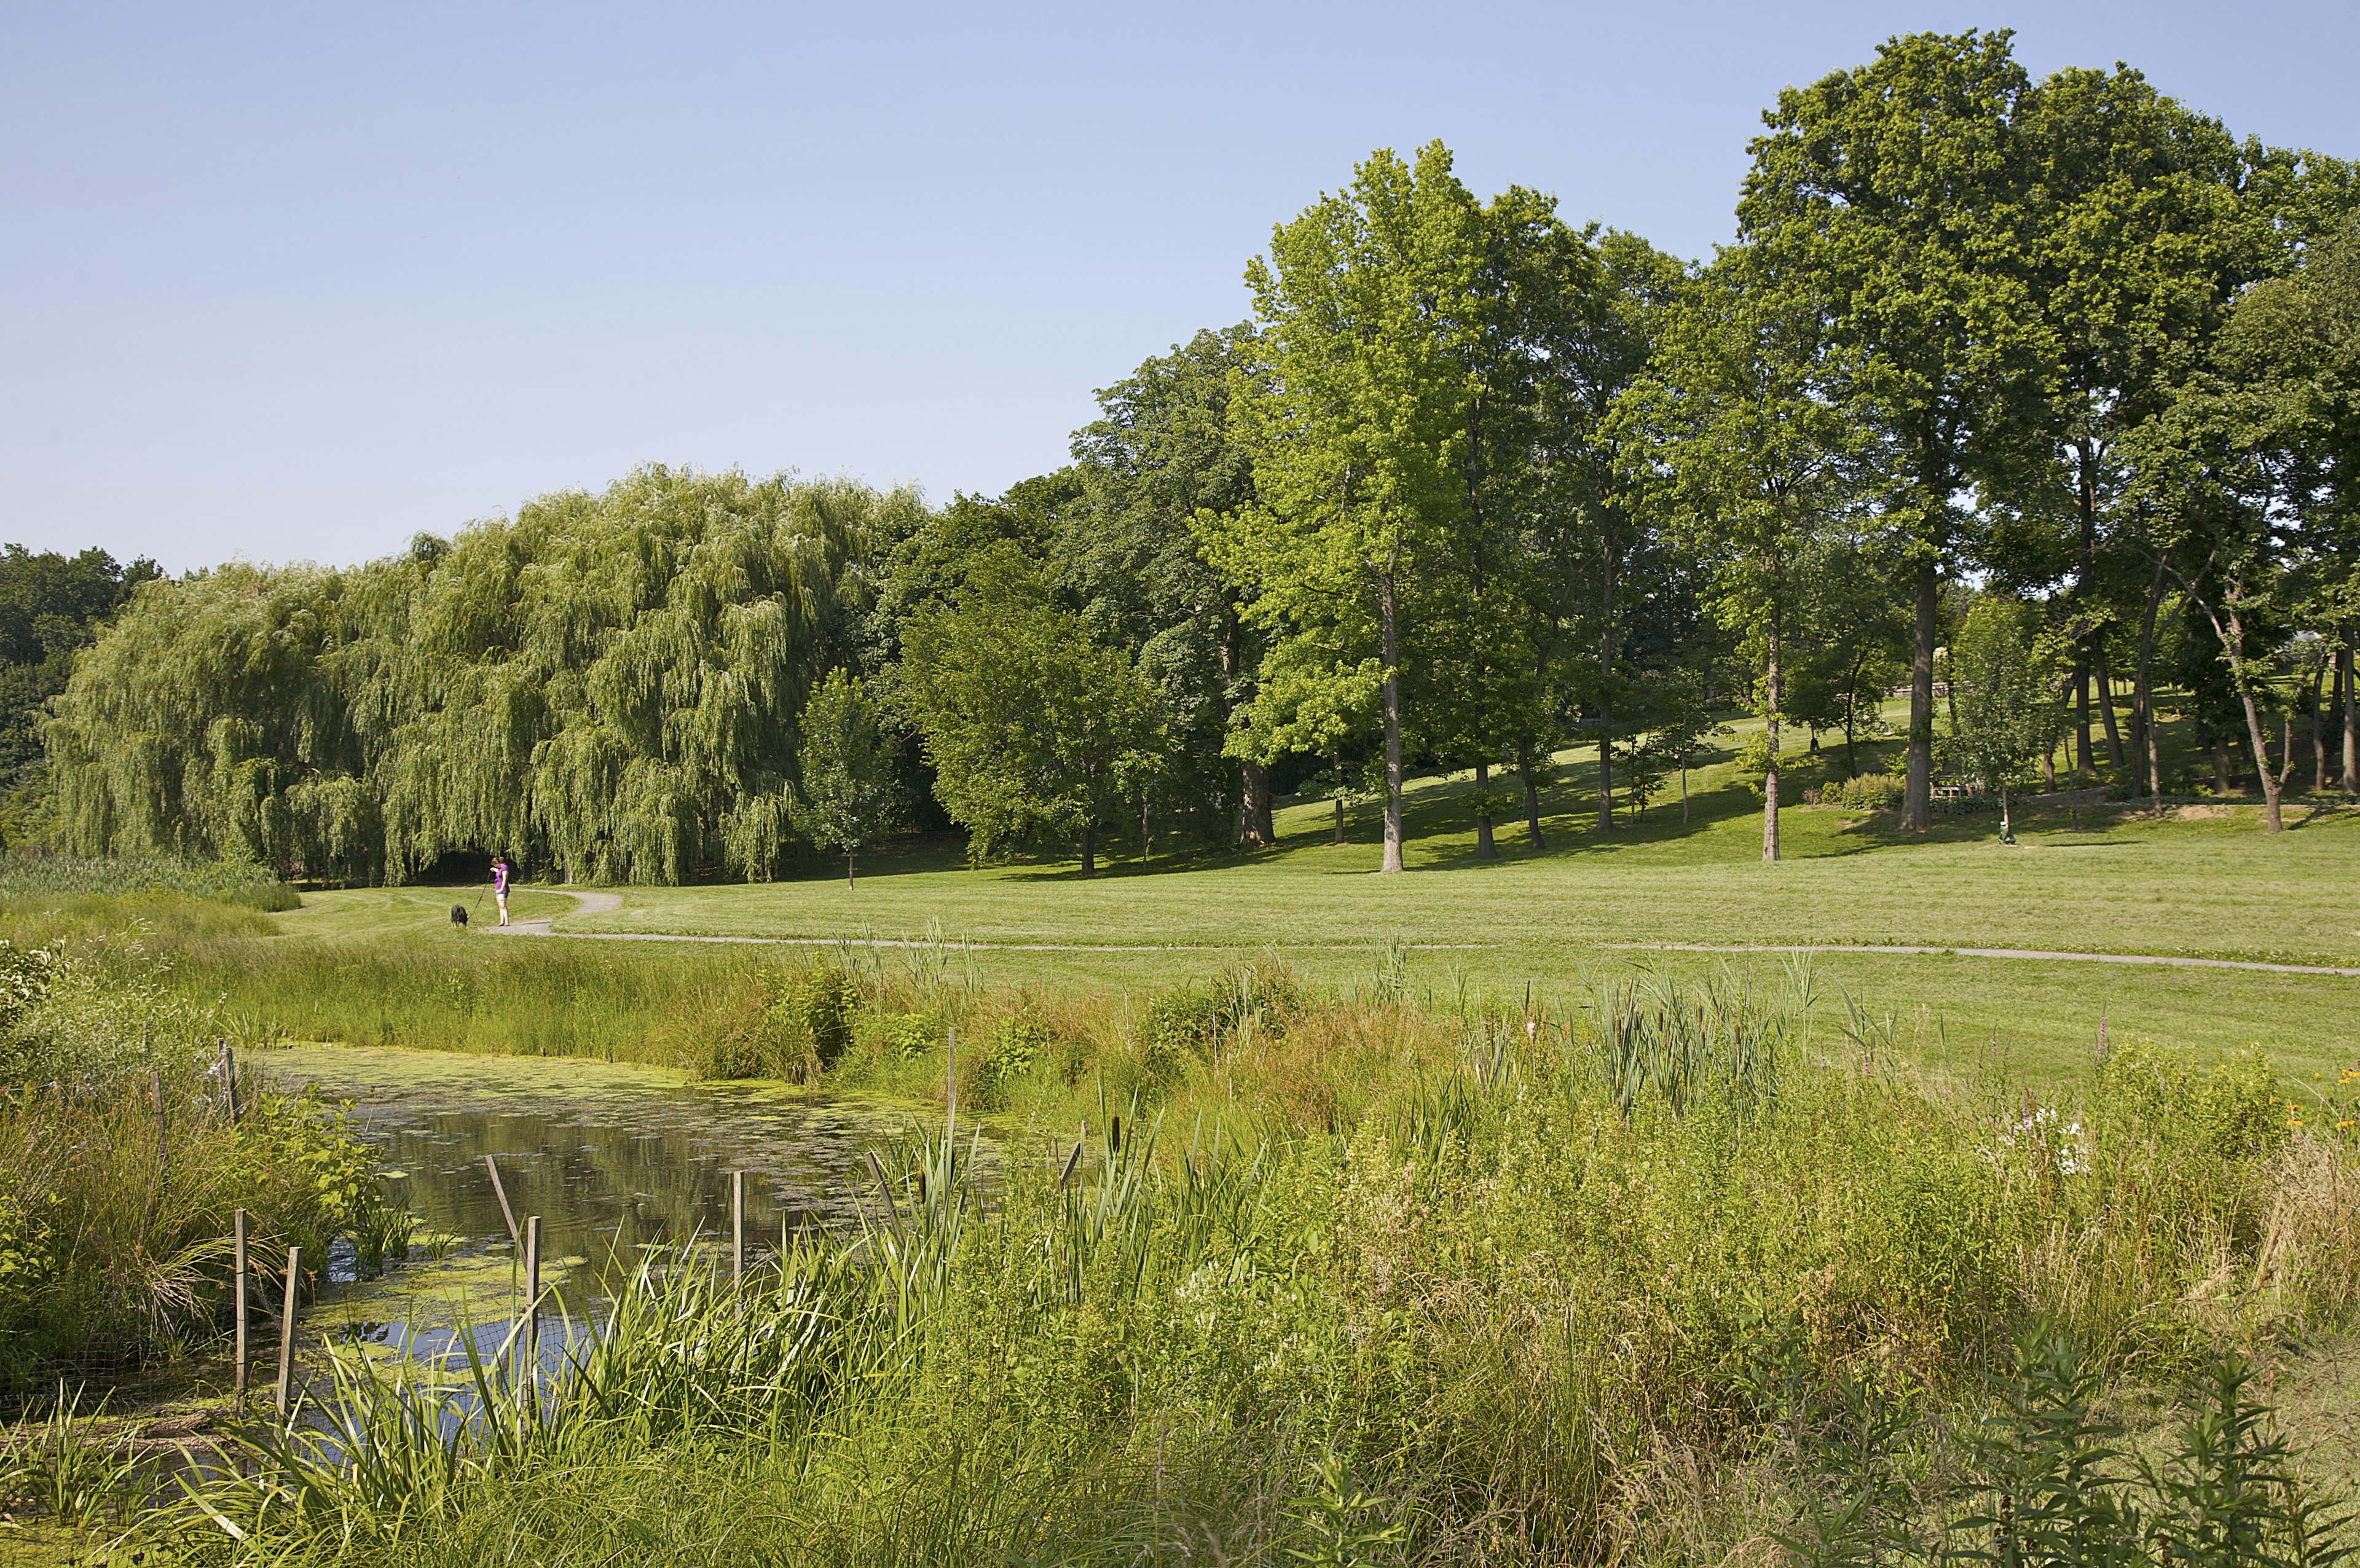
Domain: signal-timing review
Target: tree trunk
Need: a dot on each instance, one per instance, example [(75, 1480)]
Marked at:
[(1531, 795), (1606, 707), (1146, 842), (2220, 767), (1089, 849), (2270, 780), (2351, 720), (2318, 688), (2006, 821), (2150, 744), (2082, 758), (1390, 647), (1484, 848), (1684, 791), (1339, 819), (848, 882), (1917, 788), (1255, 779), (2049, 768), (1770, 727), (2106, 709)]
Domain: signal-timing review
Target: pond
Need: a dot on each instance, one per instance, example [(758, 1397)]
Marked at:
[(618, 1162)]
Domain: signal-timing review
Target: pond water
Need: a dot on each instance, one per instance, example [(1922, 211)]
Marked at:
[(618, 1162)]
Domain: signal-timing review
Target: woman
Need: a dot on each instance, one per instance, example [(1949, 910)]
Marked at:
[(500, 886)]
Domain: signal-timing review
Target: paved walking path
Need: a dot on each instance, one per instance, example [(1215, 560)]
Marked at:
[(606, 903), (2174, 962)]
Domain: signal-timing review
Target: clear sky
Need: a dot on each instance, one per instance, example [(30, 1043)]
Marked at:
[(298, 282)]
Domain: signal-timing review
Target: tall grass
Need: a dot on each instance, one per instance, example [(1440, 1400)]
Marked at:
[(121, 1166), (51, 877), (1498, 1312)]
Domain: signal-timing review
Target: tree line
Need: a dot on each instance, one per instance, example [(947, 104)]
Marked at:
[(2020, 394)]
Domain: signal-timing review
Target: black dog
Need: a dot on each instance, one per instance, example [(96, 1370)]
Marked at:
[(458, 914)]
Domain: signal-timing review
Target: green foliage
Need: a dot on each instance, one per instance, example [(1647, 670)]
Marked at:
[(2235, 1110), (50, 607), (849, 797), (2004, 692), (1032, 726), (1869, 792), (1496, 1297), (1012, 1051), (899, 1036), (119, 1171), (818, 1004), (609, 685), (59, 875)]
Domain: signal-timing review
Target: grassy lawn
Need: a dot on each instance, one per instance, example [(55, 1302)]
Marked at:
[(2200, 880)]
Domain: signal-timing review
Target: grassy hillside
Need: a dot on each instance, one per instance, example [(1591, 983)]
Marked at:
[(2198, 880)]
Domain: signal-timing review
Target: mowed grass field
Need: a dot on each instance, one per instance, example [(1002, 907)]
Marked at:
[(2197, 880)]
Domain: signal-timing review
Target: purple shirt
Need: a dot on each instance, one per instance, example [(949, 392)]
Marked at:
[(499, 878)]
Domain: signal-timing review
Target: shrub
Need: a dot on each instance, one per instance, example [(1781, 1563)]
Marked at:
[(1187, 1021), (1871, 791), (812, 1008), (2235, 1111), (1017, 1044), (897, 1037)]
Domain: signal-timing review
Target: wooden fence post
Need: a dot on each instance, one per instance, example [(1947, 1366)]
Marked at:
[(530, 1340), (238, 1377), (738, 1228), (287, 1330), (229, 1078), (500, 1192)]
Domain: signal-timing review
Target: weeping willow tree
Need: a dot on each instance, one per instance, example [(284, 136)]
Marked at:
[(607, 685)]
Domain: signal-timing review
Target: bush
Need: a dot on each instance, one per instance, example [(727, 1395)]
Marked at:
[(1017, 1044), (814, 1009), (2235, 1111), (897, 1037), (1871, 792)]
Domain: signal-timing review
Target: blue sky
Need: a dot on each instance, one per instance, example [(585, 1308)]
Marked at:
[(296, 283)]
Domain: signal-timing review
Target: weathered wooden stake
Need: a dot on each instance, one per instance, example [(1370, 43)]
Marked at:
[(287, 1330), (531, 1341), (238, 1267), (229, 1079), (738, 1228), (501, 1193)]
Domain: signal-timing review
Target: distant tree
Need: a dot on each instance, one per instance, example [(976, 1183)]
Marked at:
[(1752, 461), (1162, 455), (1032, 726), (2003, 678), (1893, 195), (849, 797), (51, 606), (1680, 719), (608, 684), (1356, 417)]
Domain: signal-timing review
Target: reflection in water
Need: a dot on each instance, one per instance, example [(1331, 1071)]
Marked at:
[(614, 1160)]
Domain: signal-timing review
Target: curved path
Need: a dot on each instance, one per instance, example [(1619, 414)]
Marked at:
[(2175, 961), (608, 903)]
